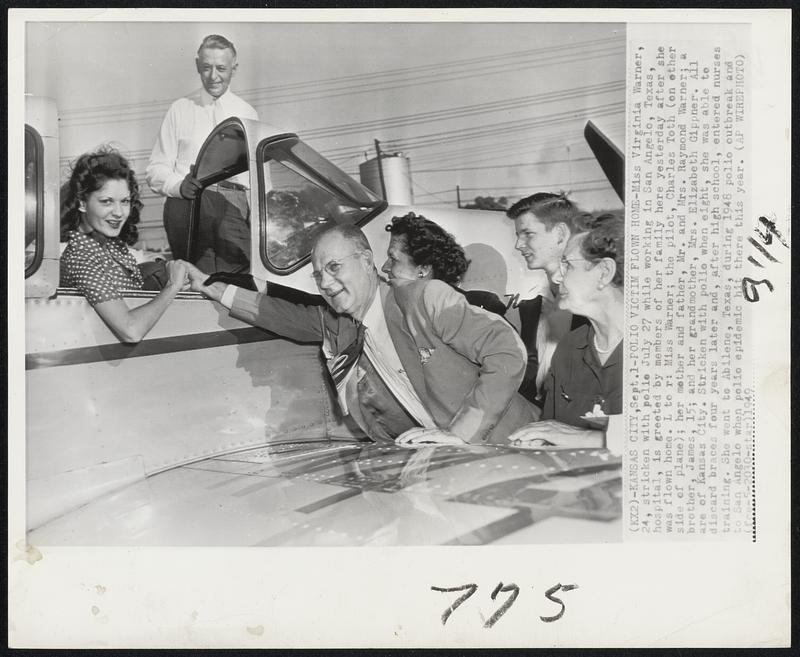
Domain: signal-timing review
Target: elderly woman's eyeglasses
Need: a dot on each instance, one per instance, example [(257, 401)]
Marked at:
[(333, 267), (565, 264)]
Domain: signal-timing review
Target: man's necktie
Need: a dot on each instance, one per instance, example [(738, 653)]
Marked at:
[(215, 113), (344, 362)]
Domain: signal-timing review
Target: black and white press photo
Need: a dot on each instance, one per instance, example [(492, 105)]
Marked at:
[(455, 315)]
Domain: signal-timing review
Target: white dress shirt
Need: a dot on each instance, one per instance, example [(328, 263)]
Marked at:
[(380, 350), (554, 324), (188, 122)]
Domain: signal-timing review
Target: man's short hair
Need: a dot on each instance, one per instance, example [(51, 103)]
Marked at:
[(549, 208), (218, 42)]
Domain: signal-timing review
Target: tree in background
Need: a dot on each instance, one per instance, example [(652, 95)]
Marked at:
[(488, 203)]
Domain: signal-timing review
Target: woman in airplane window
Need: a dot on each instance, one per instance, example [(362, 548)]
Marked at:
[(420, 248), (584, 385), (99, 212)]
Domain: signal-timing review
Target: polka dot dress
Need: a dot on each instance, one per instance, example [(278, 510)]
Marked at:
[(99, 267)]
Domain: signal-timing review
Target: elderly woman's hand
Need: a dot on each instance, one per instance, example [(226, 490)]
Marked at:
[(420, 437), (552, 434)]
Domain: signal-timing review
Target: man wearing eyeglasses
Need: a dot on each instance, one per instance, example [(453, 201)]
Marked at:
[(415, 363)]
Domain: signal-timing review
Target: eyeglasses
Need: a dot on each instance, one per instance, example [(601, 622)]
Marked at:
[(333, 267), (564, 265)]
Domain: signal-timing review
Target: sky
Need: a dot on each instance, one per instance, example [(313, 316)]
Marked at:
[(496, 108)]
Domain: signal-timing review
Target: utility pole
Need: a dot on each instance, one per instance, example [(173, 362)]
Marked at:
[(380, 167), (458, 196)]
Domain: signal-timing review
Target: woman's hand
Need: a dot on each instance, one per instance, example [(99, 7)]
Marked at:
[(420, 437), (177, 274), (552, 434)]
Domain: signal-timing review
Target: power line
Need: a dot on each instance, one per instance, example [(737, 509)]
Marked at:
[(271, 97), (156, 108), (490, 154), (570, 134), (466, 111), (540, 58), (470, 62), (432, 139), (494, 128), (490, 150), (505, 166), (554, 185)]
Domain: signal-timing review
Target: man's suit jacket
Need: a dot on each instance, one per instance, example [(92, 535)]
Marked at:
[(464, 362)]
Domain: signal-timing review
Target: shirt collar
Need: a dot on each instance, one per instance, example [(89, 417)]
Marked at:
[(374, 316), (615, 357), (207, 99), (583, 335), (582, 342)]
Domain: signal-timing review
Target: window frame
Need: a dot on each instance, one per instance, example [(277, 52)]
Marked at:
[(301, 168), (38, 146)]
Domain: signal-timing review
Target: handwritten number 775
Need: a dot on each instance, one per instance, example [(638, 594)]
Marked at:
[(513, 589)]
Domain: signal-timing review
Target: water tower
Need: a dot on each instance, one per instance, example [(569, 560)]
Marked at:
[(396, 177)]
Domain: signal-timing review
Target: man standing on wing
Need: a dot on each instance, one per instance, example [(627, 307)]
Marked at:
[(415, 362), (223, 236), (543, 222)]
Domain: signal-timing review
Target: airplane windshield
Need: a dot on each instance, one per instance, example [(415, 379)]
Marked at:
[(304, 194)]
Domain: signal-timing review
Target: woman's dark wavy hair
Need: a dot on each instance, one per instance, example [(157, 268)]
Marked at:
[(605, 238), (89, 173), (427, 243)]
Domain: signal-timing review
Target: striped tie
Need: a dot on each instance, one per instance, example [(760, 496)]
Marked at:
[(344, 363)]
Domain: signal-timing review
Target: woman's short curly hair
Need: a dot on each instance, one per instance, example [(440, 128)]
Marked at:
[(427, 243), (605, 238), (89, 173)]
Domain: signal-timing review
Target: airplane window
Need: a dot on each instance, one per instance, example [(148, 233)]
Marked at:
[(304, 194), (34, 202), (296, 212)]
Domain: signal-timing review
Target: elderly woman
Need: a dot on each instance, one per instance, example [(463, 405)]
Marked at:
[(99, 213), (584, 385), (421, 248)]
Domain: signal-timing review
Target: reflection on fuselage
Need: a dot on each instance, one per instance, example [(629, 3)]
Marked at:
[(350, 493)]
